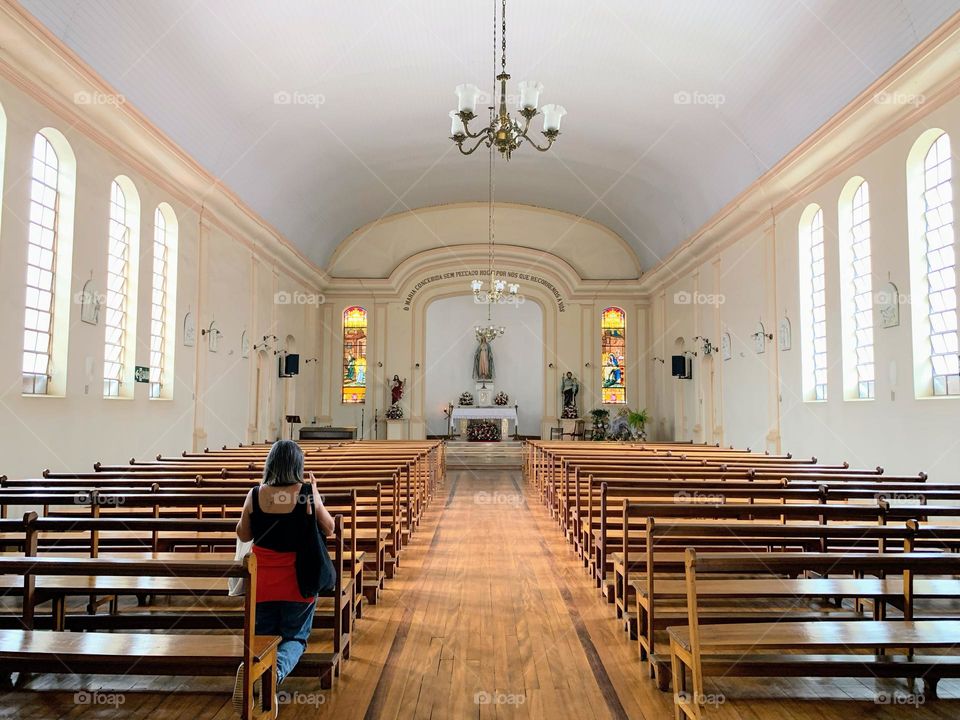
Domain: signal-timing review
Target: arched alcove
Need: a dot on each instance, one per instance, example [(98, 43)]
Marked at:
[(518, 357)]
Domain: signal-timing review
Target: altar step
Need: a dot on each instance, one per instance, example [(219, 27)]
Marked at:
[(463, 455)]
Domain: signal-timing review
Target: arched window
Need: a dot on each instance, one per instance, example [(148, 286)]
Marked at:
[(49, 248), (120, 316), (613, 331), (856, 290), (933, 265), (813, 300), (163, 301), (354, 388)]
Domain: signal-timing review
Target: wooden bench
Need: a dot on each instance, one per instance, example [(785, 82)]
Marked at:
[(860, 648), (30, 650)]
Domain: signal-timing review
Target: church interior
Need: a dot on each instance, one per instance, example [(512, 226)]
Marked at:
[(622, 377)]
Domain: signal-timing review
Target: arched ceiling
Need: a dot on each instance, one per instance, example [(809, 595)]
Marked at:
[(633, 156)]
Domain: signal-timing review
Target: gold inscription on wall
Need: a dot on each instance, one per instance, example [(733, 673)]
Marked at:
[(507, 275)]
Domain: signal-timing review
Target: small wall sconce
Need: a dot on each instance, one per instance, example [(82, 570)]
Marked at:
[(550, 365), (417, 365), (658, 359), (690, 353), (707, 345), (310, 360), (379, 364), (758, 334), (586, 365)]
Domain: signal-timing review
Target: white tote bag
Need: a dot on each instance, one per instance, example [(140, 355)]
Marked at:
[(236, 586)]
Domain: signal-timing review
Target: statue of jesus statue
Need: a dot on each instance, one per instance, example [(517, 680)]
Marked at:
[(483, 360)]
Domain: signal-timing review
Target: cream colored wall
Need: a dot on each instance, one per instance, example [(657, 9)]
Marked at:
[(397, 332), (756, 276), (222, 275)]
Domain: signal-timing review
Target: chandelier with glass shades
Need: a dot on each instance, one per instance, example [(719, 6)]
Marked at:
[(504, 132)]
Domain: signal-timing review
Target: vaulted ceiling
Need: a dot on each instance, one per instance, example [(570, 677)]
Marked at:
[(377, 80)]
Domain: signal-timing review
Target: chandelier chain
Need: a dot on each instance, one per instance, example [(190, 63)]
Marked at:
[(503, 37)]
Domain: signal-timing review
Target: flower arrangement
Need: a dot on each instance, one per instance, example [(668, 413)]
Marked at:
[(394, 412), (466, 399), (569, 413), (601, 417), (501, 399), (483, 431)]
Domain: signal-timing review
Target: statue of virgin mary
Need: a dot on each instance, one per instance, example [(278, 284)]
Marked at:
[(483, 360)]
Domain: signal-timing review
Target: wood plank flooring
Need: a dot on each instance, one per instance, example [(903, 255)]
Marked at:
[(491, 616)]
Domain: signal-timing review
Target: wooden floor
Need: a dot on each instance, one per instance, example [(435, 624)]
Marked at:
[(490, 616)]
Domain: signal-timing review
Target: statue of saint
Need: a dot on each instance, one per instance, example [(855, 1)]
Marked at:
[(570, 388), (483, 360), (396, 389)]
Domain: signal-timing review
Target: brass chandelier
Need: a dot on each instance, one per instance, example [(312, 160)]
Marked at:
[(504, 132)]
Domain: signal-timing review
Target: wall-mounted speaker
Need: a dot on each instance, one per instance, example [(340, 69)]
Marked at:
[(289, 365), (680, 367)]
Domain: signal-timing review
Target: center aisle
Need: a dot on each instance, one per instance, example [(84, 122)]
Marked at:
[(491, 615)]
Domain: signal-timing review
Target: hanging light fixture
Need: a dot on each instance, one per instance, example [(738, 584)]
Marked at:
[(503, 132), (497, 290)]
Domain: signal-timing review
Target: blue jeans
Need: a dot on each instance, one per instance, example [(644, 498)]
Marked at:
[(292, 621)]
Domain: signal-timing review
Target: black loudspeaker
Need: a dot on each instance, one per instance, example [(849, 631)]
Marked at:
[(289, 365), (679, 367)]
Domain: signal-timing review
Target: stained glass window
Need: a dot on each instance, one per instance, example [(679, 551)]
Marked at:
[(354, 355), (613, 327)]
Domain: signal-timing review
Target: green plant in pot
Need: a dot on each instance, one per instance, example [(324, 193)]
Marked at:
[(601, 419), (638, 421)]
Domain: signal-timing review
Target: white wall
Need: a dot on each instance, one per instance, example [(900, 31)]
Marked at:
[(756, 277), (518, 358), (212, 400)]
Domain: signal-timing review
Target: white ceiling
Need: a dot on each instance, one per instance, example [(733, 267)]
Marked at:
[(630, 157)]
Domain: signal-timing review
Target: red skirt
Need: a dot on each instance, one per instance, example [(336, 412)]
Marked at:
[(277, 576)]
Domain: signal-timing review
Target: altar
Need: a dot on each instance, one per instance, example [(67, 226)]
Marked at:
[(463, 414)]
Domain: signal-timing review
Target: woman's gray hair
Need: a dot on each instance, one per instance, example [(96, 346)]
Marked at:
[(284, 465)]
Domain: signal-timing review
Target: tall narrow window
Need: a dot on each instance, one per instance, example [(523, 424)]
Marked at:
[(613, 329), (941, 273), (41, 266), (162, 299), (158, 311), (118, 273), (354, 388), (813, 299), (860, 289)]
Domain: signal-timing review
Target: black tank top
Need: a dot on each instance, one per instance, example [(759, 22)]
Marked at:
[(280, 532)]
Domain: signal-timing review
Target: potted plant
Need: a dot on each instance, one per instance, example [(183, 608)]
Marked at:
[(600, 417), (638, 421)]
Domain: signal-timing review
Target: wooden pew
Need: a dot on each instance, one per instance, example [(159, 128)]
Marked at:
[(29, 650), (812, 649)]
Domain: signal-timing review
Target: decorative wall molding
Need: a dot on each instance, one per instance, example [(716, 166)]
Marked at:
[(931, 71), (34, 60)]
